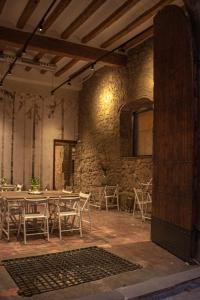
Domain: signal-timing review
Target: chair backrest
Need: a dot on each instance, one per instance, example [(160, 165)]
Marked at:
[(12, 204), (84, 200), (111, 190), (65, 203), (146, 186), (41, 203)]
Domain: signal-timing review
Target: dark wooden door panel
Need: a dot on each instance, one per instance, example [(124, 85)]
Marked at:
[(173, 209)]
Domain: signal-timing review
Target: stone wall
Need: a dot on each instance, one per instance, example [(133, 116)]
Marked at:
[(100, 103)]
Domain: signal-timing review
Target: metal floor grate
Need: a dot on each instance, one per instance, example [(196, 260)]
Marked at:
[(38, 274)]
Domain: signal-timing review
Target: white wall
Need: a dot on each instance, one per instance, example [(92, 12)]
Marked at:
[(55, 118)]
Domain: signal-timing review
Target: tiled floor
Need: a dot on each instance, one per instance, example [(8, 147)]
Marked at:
[(120, 233)]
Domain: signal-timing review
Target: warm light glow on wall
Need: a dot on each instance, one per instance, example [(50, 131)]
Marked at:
[(106, 99), (107, 96), (151, 83)]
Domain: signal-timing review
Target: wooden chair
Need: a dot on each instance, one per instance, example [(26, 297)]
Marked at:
[(10, 214), (85, 207), (111, 196), (35, 213), (143, 202), (68, 211)]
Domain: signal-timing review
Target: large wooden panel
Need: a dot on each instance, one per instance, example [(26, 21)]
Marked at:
[(174, 131)]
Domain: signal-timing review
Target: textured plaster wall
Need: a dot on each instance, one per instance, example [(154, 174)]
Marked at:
[(100, 102), (30, 120)]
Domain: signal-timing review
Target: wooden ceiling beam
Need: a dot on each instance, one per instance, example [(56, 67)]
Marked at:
[(55, 14), (82, 18), (27, 12), (36, 58), (16, 38), (66, 67), (140, 38), (137, 22), (2, 4), (53, 61), (115, 16)]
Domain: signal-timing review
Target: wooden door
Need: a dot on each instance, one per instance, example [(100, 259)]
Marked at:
[(173, 211)]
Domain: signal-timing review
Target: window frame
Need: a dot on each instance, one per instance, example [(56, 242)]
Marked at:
[(135, 133)]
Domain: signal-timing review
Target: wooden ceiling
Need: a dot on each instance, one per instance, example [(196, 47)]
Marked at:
[(75, 33)]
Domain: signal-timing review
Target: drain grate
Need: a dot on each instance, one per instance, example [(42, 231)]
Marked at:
[(38, 274)]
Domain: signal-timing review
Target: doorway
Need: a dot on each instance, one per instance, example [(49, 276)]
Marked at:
[(63, 163)]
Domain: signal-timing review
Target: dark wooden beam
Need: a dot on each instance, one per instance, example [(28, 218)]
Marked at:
[(121, 11), (15, 38), (36, 58), (140, 38), (2, 4), (27, 12), (90, 9), (55, 14), (137, 22), (53, 61), (66, 67)]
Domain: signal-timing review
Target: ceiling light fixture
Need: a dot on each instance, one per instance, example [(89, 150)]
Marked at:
[(23, 49), (40, 28), (92, 67), (69, 82)]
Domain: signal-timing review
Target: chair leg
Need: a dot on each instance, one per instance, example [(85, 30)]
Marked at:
[(24, 231), (47, 228), (8, 228), (106, 204), (80, 225), (19, 227), (59, 225), (134, 206), (118, 203), (90, 219)]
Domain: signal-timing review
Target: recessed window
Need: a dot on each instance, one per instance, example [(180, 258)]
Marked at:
[(136, 128), (142, 133)]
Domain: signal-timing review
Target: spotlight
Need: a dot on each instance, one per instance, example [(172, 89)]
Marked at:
[(1, 83), (92, 68), (69, 82), (9, 72), (52, 93), (40, 28)]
